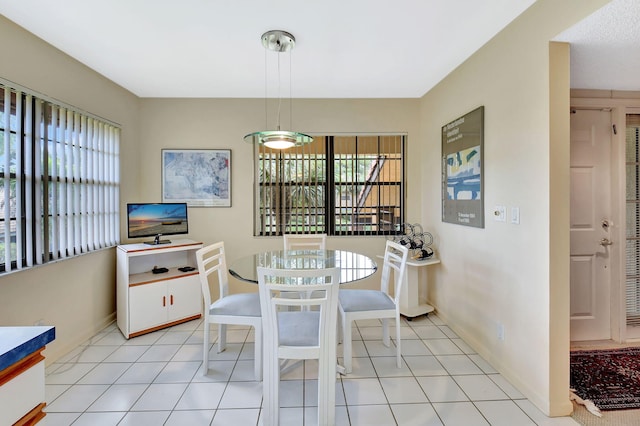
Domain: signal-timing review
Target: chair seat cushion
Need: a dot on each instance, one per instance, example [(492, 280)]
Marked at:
[(239, 304), (299, 328), (364, 300)]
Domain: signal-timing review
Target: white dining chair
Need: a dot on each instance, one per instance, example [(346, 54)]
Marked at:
[(299, 334), (375, 304), (240, 308), (304, 241)]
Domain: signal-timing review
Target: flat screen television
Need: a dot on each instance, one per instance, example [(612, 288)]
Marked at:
[(155, 220)]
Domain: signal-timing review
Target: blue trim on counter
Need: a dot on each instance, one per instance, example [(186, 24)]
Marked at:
[(17, 343)]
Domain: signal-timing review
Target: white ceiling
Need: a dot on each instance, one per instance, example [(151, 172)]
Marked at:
[(605, 48), (344, 49)]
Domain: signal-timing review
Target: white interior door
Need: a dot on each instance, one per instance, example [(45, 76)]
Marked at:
[(590, 225)]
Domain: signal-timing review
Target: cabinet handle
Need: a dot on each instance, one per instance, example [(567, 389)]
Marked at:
[(164, 300), (172, 299)]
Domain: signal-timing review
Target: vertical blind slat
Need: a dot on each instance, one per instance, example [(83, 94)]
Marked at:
[(68, 186), (7, 176), (61, 186), (101, 189), (113, 185), (91, 195), (95, 195), (82, 145), (108, 182), (75, 173), (96, 185), (19, 183), (39, 194), (29, 148), (54, 184), (116, 184)]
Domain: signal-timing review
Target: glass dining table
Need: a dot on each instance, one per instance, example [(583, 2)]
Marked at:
[(353, 266)]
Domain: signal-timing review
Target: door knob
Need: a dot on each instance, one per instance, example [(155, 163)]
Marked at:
[(605, 242)]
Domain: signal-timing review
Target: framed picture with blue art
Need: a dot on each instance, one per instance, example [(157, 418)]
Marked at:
[(198, 177), (462, 170)]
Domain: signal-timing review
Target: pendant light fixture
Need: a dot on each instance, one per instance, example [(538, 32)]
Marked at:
[(280, 42)]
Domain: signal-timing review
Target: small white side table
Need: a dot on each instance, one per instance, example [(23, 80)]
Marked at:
[(410, 306)]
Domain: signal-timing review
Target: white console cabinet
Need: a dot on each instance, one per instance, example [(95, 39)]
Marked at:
[(146, 301)]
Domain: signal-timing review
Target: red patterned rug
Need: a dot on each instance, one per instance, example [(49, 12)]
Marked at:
[(610, 378)]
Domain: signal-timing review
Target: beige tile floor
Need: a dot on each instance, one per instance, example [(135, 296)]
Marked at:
[(155, 379)]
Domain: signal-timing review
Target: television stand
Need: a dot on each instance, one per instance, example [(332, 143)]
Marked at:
[(157, 241), (146, 301)]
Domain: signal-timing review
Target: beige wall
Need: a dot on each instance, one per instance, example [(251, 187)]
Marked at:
[(77, 296), (505, 274)]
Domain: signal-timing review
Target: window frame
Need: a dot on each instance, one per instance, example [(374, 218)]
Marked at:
[(331, 224)]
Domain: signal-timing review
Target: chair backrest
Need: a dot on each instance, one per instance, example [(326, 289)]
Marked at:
[(211, 259), (304, 241), (395, 259), (288, 331)]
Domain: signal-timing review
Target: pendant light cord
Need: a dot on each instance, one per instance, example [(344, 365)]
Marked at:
[(266, 104), (279, 94), (290, 91), (266, 109)]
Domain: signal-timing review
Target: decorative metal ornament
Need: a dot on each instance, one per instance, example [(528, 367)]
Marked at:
[(416, 240)]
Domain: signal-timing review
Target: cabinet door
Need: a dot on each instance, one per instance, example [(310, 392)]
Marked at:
[(148, 306), (185, 297)]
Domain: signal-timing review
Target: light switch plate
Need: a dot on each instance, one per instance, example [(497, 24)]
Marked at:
[(500, 214), (515, 215)]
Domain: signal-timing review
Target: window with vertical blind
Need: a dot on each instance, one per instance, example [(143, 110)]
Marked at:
[(59, 180), (338, 185), (633, 219)]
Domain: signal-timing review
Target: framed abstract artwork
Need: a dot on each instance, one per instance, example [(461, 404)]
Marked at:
[(462, 170), (198, 177)]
